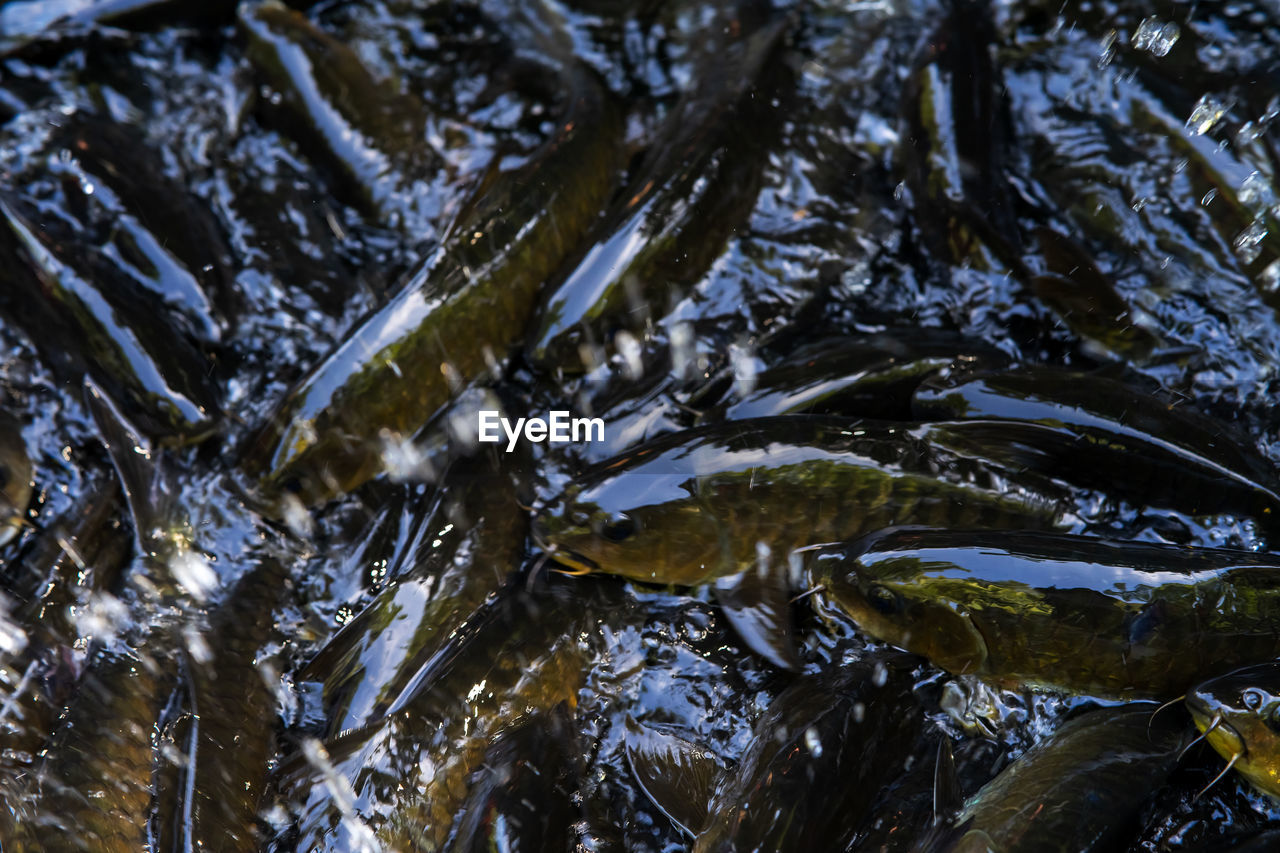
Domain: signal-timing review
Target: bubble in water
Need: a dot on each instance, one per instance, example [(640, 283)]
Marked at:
[(1256, 193), (1269, 278), (193, 572), (1208, 112), (1155, 37), (744, 369), (629, 348), (296, 517), (1249, 242), (682, 354), (813, 742)]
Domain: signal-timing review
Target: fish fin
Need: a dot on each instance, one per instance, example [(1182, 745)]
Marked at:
[(678, 776), (136, 464), (947, 796), (758, 606)]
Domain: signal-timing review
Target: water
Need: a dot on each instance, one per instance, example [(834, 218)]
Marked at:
[(875, 213)]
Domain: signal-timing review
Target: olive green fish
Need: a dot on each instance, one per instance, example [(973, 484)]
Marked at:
[(698, 183), (1071, 613), (1239, 715), (94, 784), (408, 773), (1102, 433), (872, 376), (1076, 791), (367, 134), (455, 317), (84, 320), (821, 756), (694, 506), (467, 555)]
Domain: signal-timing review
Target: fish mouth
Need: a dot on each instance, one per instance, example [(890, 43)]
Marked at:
[(578, 563)]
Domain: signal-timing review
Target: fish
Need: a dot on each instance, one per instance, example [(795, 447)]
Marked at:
[(369, 136), (402, 779), (16, 479), (1238, 714), (693, 506), (957, 141), (727, 504), (1103, 433), (694, 189), (72, 558), (466, 557), (94, 780), (455, 317), (1127, 620), (872, 377), (820, 760), (166, 240), (1073, 792), (521, 798), (63, 296)]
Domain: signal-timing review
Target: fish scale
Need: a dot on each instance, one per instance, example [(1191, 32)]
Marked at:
[(786, 482), (1129, 620)]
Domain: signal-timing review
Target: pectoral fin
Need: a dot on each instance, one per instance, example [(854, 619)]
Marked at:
[(758, 606), (678, 776)]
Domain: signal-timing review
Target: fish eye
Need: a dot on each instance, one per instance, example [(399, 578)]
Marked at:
[(618, 528), (884, 600), (1253, 698)]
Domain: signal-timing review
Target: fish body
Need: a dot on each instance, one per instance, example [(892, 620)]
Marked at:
[(63, 296), (693, 506), (410, 771), (1145, 448), (819, 764), (698, 183), (370, 137), (1070, 613), (1239, 714), (455, 317), (1073, 792)]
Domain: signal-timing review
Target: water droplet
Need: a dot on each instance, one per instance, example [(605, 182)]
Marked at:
[(1208, 197), (880, 676), (193, 572), (296, 517), (1108, 51), (813, 742), (1256, 193), (196, 645), (1248, 243), (899, 191), (1208, 112), (629, 348), (682, 350), (1155, 37), (1269, 278), (744, 369)]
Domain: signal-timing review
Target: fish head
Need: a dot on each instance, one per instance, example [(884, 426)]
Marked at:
[(652, 528), (1239, 714), (890, 598)]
